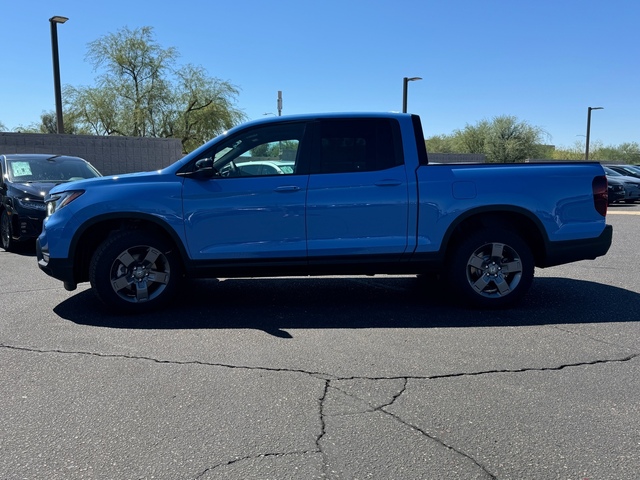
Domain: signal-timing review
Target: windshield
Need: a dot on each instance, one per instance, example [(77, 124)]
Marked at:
[(54, 170), (611, 172), (631, 169)]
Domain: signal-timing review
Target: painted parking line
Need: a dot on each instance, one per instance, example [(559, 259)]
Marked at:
[(623, 213)]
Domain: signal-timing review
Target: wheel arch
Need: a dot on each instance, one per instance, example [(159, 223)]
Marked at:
[(11, 211), (87, 238), (515, 219)]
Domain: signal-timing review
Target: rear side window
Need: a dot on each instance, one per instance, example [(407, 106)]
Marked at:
[(358, 145)]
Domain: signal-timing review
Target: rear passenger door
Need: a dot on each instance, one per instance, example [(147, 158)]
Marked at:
[(357, 197)]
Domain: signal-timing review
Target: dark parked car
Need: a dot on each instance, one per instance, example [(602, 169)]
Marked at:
[(628, 170), (24, 182), (615, 190), (631, 184)]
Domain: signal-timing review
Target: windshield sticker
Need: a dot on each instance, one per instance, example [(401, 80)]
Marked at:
[(21, 169)]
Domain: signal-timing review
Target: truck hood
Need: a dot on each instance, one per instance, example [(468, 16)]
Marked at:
[(123, 179)]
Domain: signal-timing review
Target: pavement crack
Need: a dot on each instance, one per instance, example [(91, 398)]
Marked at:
[(251, 457), (323, 428), (396, 396), (318, 374), (495, 371), (329, 384), (538, 369), (382, 409), (317, 450), (440, 442), (163, 362)]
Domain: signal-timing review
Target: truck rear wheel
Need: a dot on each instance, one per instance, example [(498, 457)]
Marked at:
[(491, 268), (134, 271)]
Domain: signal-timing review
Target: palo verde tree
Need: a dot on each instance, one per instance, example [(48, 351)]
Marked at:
[(472, 138), (504, 139), (628, 152), (511, 141), (141, 91)]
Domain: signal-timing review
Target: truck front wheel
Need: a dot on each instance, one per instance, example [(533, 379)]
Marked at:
[(134, 271), (491, 268)]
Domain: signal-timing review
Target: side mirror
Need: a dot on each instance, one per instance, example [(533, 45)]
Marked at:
[(204, 163), (203, 169)]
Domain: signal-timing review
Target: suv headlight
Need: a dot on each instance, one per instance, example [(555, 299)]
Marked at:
[(31, 204), (59, 200)]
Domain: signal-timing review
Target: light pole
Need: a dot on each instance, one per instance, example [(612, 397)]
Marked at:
[(56, 69), (405, 84), (586, 152), (279, 103)]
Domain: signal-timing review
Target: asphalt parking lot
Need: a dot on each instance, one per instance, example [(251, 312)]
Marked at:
[(339, 378)]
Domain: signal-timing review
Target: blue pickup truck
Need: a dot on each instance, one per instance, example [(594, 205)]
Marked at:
[(329, 194)]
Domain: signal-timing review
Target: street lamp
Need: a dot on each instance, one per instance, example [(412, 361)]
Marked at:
[(586, 152), (279, 103), (56, 68), (405, 84)]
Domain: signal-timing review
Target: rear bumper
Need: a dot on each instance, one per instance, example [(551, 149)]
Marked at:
[(559, 253)]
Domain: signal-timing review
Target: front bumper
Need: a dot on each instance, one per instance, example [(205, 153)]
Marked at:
[(59, 268), (25, 226)]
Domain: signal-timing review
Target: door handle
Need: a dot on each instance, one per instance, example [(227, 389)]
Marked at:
[(287, 188), (390, 182)]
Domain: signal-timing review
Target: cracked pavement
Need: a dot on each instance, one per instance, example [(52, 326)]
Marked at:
[(341, 424), (341, 378)]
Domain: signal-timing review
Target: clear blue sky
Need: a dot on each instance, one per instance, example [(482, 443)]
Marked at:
[(543, 61)]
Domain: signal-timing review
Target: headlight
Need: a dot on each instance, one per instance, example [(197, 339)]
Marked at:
[(58, 200), (31, 204)]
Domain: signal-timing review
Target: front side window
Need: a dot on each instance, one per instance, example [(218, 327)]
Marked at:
[(260, 151)]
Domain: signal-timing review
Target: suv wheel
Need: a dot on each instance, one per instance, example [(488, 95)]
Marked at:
[(6, 233)]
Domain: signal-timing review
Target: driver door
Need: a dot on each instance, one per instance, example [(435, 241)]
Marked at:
[(253, 207)]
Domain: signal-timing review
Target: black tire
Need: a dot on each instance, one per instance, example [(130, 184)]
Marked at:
[(6, 232), (135, 271), (491, 268)]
